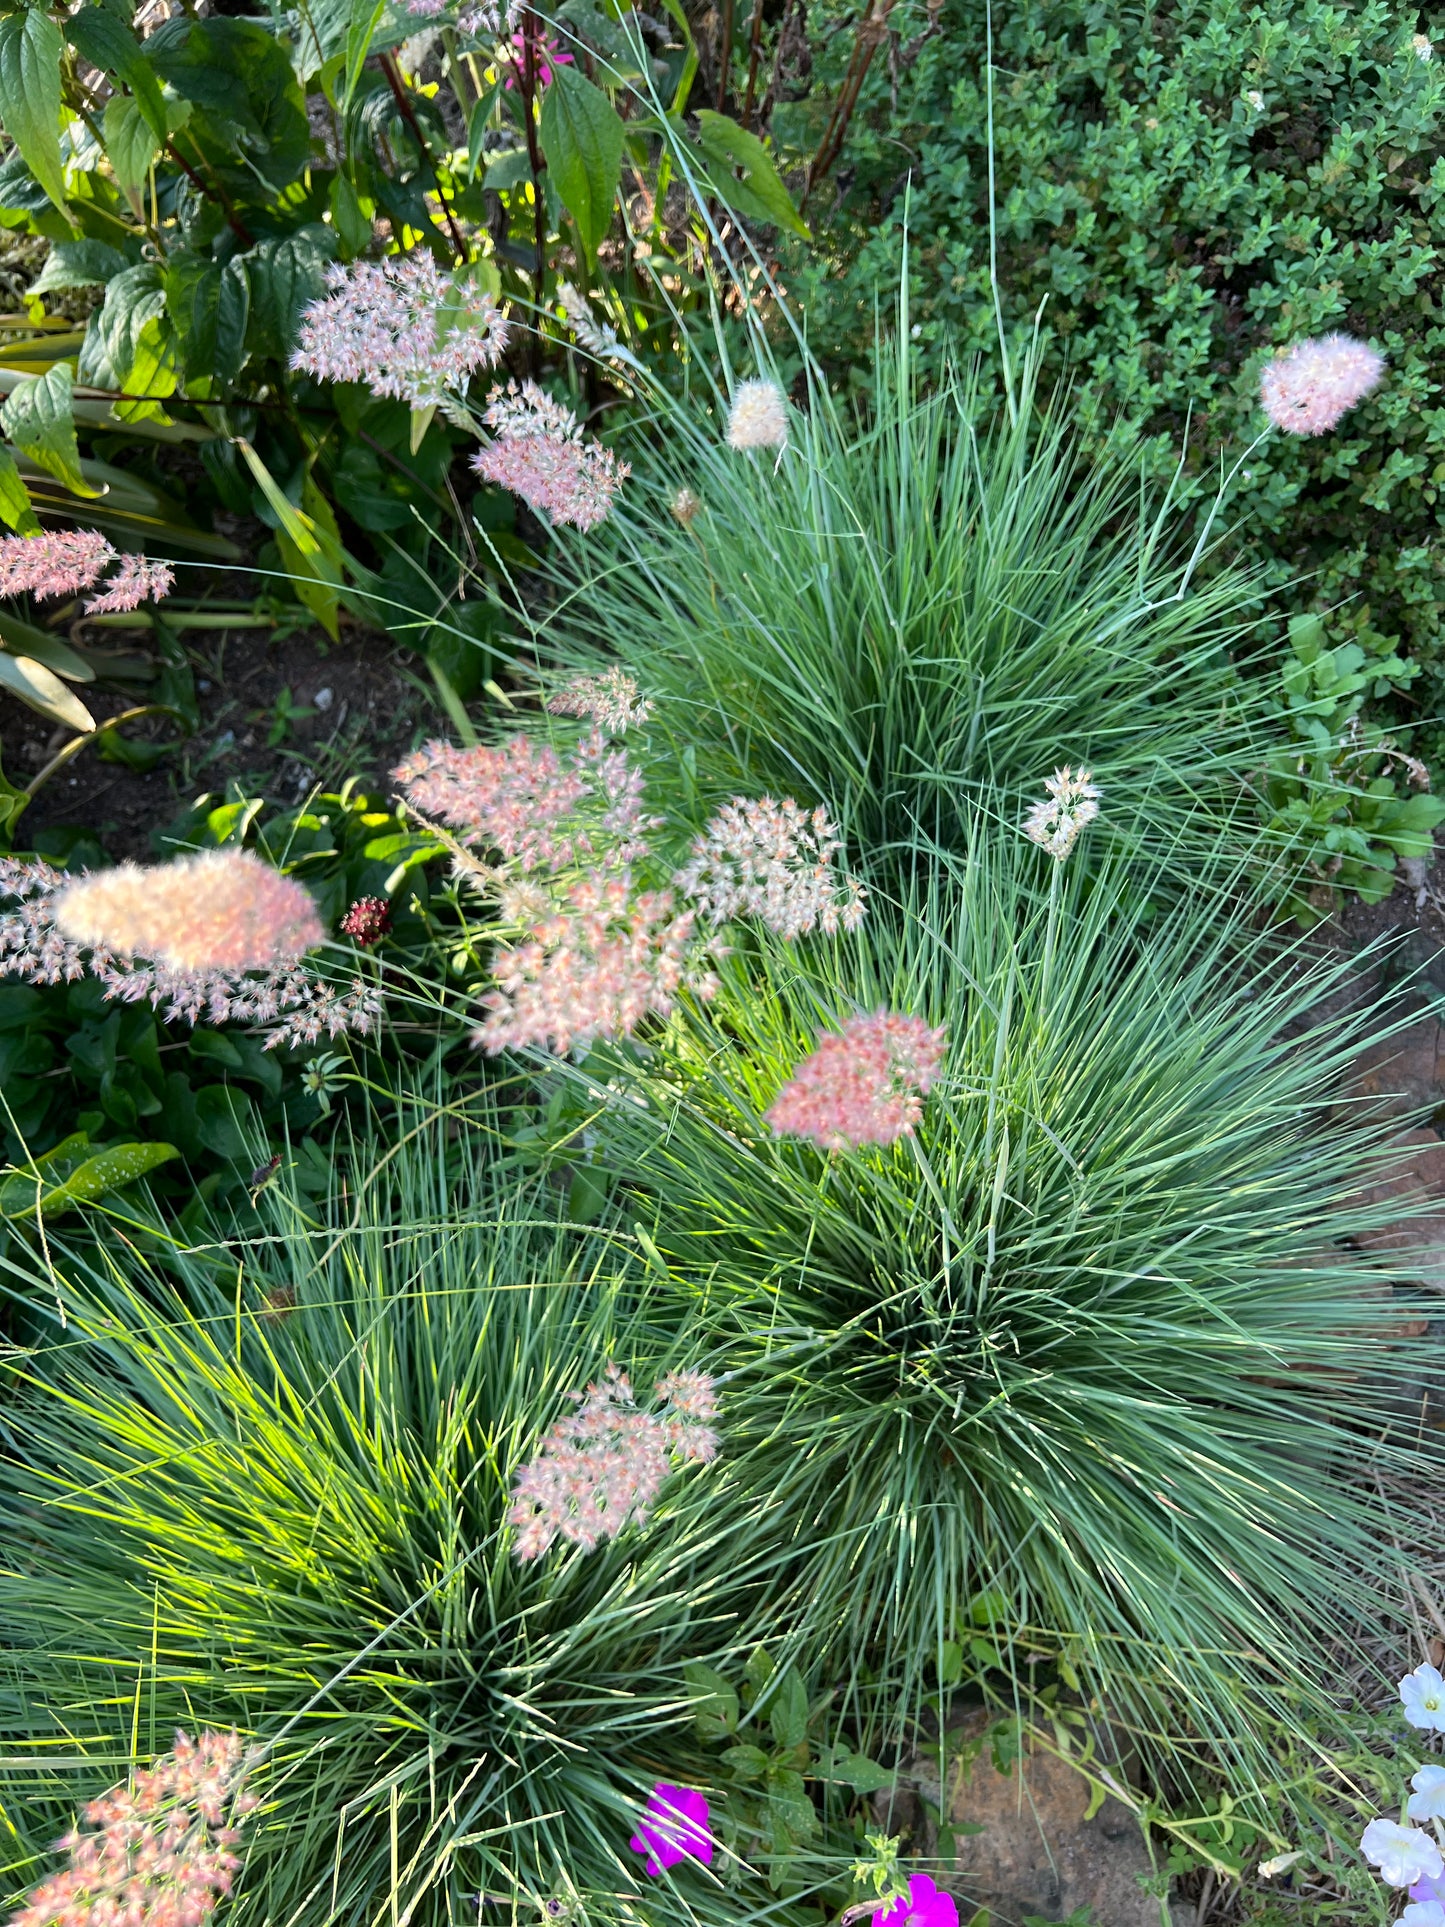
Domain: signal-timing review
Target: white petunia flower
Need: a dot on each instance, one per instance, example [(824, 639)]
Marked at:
[(1401, 1855), (1422, 1694), (1427, 1802)]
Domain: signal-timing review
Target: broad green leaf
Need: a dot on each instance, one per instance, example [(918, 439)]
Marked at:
[(760, 193), (107, 1171), (79, 264), (758, 1670), (582, 138), (38, 419), (507, 169), (209, 304), (130, 143), (132, 301), (788, 1711), (715, 1702), (152, 374), (15, 509), (350, 220), (788, 1803), (41, 690), (863, 1775), (24, 639), (106, 42), (285, 273), (364, 22), (746, 1761), (30, 52)]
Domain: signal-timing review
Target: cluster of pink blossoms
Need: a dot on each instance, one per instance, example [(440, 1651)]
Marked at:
[(524, 801), (217, 937), (401, 326), (599, 951), (593, 965), (540, 454), (863, 1085), (599, 1469), (1311, 386), (65, 561), (162, 1852), (773, 861)]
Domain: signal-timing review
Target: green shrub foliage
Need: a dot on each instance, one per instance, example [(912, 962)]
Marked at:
[(1188, 186)]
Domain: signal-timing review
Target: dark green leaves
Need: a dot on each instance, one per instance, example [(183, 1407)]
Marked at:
[(99, 37), (284, 275), (79, 264), (209, 303), (788, 1711), (715, 1702), (30, 50), (37, 417), (582, 139)]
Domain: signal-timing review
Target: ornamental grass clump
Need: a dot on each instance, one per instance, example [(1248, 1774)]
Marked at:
[(910, 613), (1074, 1327), (299, 1527)]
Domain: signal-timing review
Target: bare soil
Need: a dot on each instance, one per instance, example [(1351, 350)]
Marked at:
[(282, 711)]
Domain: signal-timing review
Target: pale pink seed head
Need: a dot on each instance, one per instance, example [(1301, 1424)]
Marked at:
[(136, 580), (611, 700), (1311, 386), (758, 417), (218, 910)]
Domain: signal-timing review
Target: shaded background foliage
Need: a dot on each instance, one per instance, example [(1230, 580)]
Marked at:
[(1187, 187)]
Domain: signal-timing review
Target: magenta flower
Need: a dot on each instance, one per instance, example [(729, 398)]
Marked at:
[(1307, 389), (673, 1827), (546, 55), (922, 1906)]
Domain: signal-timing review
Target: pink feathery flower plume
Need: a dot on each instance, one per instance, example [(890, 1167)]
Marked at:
[(594, 964), (773, 861), (64, 561), (401, 326), (599, 1469), (217, 910), (160, 1851), (864, 1085), (539, 454), (134, 582), (522, 800), (1311, 386), (611, 700), (219, 936)]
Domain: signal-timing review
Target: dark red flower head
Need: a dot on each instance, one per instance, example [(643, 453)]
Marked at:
[(367, 921)]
